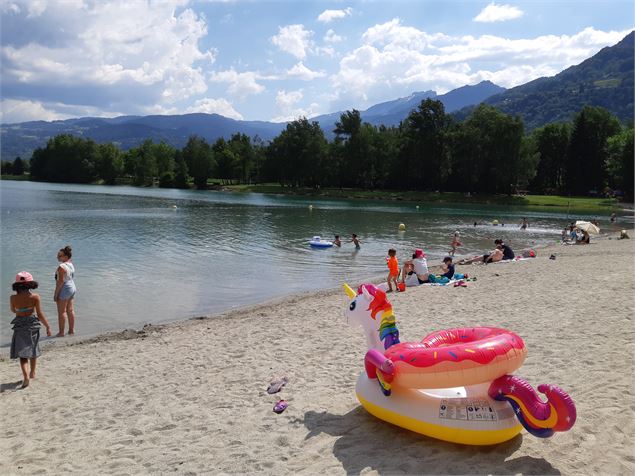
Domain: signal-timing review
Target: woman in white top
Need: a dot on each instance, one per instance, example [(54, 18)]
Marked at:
[(415, 271), (65, 291)]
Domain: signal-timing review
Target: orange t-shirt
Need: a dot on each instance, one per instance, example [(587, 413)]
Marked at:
[(393, 265)]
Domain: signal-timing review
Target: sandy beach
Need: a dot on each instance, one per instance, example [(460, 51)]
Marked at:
[(190, 397)]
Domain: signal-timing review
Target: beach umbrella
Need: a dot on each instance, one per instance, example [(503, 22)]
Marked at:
[(587, 226)]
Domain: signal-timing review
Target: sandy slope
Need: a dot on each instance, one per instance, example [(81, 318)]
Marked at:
[(191, 397)]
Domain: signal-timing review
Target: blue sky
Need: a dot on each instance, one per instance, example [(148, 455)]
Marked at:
[(278, 60)]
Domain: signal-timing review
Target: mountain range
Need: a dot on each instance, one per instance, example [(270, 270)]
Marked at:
[(605, 79)]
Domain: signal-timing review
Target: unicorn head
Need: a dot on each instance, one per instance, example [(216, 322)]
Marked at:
[(370, 309)]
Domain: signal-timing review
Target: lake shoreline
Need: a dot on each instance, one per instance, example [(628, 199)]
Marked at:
[(140, 331), (191, 397), (603, 206)]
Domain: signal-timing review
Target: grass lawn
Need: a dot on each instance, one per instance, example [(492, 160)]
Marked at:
[(586, 204)]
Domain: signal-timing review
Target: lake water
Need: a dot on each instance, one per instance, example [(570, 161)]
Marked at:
[(155, 255)]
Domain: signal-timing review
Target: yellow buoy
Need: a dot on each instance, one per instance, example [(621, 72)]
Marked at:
[(402, 227), (495, 222)]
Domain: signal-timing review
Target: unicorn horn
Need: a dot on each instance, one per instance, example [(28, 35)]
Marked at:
[(349, 291)]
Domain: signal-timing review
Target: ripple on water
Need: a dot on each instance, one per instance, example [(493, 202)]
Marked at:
[(141, 260)]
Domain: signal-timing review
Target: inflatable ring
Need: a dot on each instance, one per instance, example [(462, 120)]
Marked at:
[(457, 357), (453, 385)]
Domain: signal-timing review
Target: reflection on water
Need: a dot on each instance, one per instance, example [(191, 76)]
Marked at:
[(151, 255)]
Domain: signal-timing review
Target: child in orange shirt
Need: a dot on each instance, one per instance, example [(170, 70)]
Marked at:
[(393, 269)]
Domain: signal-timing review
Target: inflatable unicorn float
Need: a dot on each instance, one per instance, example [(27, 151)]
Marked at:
[(454, 385)]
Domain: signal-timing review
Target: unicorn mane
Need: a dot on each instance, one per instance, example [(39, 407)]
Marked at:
[(388, 332)]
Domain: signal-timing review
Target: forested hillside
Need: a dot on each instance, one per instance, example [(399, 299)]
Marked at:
[(604, 80)]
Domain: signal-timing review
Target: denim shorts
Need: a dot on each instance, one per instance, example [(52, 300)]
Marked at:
[(67, 292)]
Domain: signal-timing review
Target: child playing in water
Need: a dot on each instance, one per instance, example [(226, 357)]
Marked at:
[(337, 242), (356, 241), (26, 327), (456, 242), (393, 269)]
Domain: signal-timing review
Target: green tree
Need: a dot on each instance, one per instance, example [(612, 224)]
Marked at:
[(620, 161), (180, 171), (110, 162), (199, 158), (552, 144), (497, 138), (6, 168), (297, 155), (587, 152), (66, 159), (18, 166), (241, 148), (145, 163), (349, 153), (424, 149)]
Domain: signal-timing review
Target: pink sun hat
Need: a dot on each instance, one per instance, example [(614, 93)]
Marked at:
[(23, 277), (419, 253)]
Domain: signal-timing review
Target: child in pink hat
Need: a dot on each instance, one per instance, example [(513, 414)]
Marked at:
[(26, 326)]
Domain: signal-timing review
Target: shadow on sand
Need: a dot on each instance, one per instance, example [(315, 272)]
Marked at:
[(366, 442), (10, 386)]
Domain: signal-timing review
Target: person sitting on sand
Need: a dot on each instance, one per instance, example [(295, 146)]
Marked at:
[(584, 240), (415, 271), (447, 267), (508, 253)]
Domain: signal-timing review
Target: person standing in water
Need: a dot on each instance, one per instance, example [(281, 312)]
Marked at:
[(356, 241), (524, 224), (25, 344), (456, 242), (65, 291), (337, 242)]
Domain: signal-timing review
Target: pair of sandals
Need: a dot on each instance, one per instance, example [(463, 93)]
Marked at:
[(274, 387), (461, 284)]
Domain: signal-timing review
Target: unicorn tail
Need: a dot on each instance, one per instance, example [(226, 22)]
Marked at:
[(539, 418)]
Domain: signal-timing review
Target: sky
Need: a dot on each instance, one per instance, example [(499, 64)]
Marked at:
[(280, 60)]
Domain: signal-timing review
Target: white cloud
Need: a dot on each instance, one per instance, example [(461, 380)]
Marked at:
[(331, 37), (396, 60), (393, 35), (9, 7), (285, 105), (18, 110), (12, 110), (493, 13), (299, 71), (112, 52), (37, 7), (286, 99), (293, 39), (241, 85), (215, 106), (329, 15)]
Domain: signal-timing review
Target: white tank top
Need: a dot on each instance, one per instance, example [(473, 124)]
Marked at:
[(69, 271)]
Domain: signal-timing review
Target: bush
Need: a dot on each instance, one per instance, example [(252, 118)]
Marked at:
[(166, 180)]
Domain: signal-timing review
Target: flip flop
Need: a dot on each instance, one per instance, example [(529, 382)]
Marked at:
[(276, 385), (280, 406)]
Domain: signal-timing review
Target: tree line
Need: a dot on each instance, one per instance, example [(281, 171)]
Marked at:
[(488, 152)]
